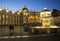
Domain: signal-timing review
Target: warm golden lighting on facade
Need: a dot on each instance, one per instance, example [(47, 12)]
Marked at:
[(25, 16), (25, 13), (18, 13), (46, 18)]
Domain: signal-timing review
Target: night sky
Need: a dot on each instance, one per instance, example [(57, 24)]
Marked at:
[(35, 5)]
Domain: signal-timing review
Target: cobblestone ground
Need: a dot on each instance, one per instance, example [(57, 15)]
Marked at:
[(36, 38), (4, 30)]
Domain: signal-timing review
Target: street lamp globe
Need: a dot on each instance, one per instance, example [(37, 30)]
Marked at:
[(7, 11), (13, 12), (1, 9)]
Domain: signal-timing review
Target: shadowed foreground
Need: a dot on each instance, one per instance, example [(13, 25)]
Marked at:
[(36, 38)]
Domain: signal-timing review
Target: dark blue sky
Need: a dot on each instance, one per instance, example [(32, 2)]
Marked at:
[(35, 5)]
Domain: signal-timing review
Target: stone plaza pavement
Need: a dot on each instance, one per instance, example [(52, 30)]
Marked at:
[(20, 35), (4, 31), (18, 31)]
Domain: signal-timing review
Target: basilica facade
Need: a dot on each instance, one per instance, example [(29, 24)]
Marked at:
[(25, 17), (20, 17)]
